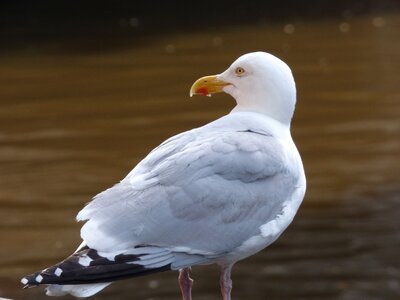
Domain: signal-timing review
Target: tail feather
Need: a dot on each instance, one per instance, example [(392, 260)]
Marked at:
[(78, 290), (88, 266)]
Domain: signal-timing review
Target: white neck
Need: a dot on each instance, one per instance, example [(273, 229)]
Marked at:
[(279, 106), (282, 116)]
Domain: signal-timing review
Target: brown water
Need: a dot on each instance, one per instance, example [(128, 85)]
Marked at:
[(73, 124)]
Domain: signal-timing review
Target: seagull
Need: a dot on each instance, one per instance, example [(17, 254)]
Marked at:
[(211, 195)]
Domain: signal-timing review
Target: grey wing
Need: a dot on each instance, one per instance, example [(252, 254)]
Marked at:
[(199, 194)]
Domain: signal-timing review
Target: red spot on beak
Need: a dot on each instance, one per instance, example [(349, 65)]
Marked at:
[(202, 90)]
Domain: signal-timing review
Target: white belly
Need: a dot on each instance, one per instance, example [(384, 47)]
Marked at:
[(269, 231)]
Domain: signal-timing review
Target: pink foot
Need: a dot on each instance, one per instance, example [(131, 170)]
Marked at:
[(185, 283), (226, 282)]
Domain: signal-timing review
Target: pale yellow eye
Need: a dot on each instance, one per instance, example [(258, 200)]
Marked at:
[(239, 71)]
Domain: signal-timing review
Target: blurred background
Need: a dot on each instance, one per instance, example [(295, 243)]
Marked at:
[(88, 88)]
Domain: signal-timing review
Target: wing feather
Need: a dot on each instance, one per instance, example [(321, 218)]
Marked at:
[(202, 192)]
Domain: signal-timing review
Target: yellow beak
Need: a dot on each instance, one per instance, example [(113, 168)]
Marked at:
[(207, 85)]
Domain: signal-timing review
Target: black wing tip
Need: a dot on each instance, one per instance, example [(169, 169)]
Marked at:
[(32, 280), (118, 272), (28, 286), (87, 266), (28, 281), (49, 275)]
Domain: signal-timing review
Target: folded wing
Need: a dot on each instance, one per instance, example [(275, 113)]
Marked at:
[(199, 193)]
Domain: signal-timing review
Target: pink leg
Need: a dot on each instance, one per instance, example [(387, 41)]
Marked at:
[(185, 283), (226, 282)]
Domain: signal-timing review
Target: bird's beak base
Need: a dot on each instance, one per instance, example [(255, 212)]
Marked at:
[(207, 85)]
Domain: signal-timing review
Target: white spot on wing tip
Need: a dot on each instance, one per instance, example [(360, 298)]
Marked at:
[(24, 280), (58, 272), (84, 261), (39, 278)]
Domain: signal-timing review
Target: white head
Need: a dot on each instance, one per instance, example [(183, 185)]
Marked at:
[(259, 82)]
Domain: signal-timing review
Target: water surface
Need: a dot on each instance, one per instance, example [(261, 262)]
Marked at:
[(74, 123)]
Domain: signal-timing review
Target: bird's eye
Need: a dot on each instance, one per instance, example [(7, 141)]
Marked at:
[(239, 71)]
